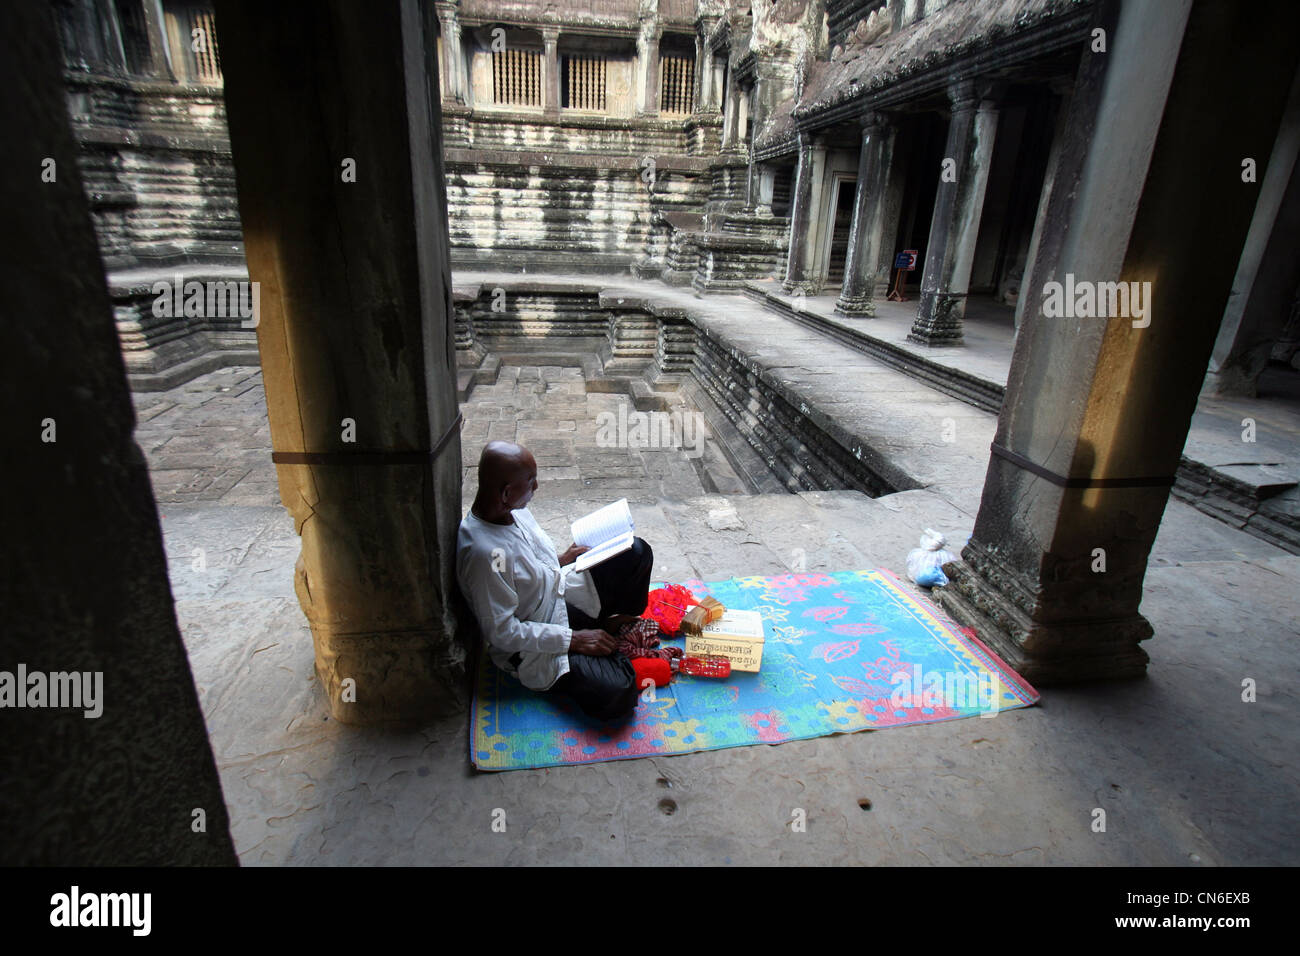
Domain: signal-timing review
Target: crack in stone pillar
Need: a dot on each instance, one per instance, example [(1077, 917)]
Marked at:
[(954, 226), (857, 295)]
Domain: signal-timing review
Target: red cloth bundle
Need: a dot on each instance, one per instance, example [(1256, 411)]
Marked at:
[(653, 669), (667, 606)]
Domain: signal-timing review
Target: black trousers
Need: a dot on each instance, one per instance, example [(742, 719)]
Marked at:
[(623, 583), (605, 687)]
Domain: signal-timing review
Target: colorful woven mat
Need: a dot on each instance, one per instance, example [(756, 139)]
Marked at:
[(848, 651)]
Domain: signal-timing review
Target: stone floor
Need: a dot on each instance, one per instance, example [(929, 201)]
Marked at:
[(1187, 772), (1264, 457), (573, 434)]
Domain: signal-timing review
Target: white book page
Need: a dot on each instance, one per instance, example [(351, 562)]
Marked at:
[(607, 550), (605, 524)]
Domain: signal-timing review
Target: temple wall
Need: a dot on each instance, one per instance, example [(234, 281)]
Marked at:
[(156, 162), (508, 212)]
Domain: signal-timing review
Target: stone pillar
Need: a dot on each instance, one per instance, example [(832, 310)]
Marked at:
[(551, 92), (857, 296), (728, 116), (112, 778), (731, 117), (955, 225), (804, 215), (356, 335), (92, 40), (647, 47), (111, 29), (159, 53), (1097, 410), (766, 189), (453, 58), (1268, 272), (703, 77)]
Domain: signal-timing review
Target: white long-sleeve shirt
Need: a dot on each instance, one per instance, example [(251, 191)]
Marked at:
[(512, 578)]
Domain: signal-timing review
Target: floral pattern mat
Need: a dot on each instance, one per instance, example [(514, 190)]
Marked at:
[(843, 652)]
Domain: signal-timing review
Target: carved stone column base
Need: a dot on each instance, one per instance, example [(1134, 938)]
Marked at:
[(1060, 652), (386, 679), (856, 306), (938, 319)]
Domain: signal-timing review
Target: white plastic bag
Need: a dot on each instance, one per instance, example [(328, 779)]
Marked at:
[(925, 564)]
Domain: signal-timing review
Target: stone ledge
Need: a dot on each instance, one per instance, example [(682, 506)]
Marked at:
[(559, 159), (1255, 500), (183, 372), (982, 393)]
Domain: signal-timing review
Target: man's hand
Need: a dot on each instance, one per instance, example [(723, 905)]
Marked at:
[(572, 555), (592, 643)]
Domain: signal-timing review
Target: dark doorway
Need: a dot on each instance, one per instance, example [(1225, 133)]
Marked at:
[(922, 138), (844, 196)]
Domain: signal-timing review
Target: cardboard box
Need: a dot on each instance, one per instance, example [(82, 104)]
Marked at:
[(737, 636)]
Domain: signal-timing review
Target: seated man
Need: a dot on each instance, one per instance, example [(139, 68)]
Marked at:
[(545, 625)]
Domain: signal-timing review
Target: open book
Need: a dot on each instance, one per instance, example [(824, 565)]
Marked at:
[(607, 532)]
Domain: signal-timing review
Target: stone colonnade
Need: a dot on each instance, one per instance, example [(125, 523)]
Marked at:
[(1266, 287), (954, 226), (454, 74), (1077, 484)]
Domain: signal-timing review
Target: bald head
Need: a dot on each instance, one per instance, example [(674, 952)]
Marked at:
[(507, 478), (503, 462)]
